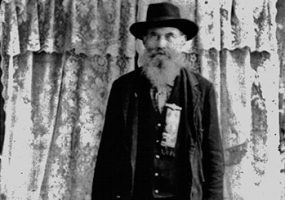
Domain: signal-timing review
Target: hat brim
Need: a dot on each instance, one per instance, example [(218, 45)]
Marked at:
[(189, 28)]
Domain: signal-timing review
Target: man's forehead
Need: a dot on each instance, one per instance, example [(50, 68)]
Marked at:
[(164, 30)]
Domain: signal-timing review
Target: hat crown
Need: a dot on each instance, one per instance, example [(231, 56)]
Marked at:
[(160, 11), (164, 15)]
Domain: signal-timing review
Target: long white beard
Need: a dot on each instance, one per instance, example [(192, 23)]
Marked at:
[(162, 69)]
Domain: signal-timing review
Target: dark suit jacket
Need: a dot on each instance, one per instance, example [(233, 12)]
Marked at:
[(117, 157)]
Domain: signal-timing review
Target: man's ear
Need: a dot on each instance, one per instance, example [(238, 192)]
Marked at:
[(144, 36), (144, 39), (184, 38)]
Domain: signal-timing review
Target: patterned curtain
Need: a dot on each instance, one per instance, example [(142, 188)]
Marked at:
[(59, 58)]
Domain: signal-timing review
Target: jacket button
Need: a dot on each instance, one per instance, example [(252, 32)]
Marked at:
[(157, 156), (156, 174)]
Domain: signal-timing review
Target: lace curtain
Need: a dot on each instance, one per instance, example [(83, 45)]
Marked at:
[(59, 58)]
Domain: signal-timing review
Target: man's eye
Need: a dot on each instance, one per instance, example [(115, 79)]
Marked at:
[(170, 36), (152, 35)]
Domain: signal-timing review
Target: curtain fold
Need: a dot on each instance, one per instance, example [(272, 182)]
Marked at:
[(60, 57)]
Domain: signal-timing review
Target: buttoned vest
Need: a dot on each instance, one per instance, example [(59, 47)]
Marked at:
[(157, 168)]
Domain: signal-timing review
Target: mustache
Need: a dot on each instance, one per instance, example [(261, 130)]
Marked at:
[(156, 56), (161, 52)]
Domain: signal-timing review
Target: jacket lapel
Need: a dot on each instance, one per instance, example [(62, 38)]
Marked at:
[(194, 84)]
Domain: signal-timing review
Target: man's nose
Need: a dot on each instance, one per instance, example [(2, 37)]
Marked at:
[(161, 42)]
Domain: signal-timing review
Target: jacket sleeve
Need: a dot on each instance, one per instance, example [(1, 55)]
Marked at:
[(213, 157), (102, 181)]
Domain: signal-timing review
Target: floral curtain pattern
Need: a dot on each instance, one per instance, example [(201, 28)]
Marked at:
[(59, 58)]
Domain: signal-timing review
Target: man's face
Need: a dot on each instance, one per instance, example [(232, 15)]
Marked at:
[(159, 41), (162, 59)]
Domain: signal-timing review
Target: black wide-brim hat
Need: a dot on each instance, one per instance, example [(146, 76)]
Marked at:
[(164, 15)]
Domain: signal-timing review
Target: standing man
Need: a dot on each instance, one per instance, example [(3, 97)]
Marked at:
[(161, 137)]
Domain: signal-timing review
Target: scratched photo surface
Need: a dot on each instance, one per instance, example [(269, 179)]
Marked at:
[(59, 59)]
